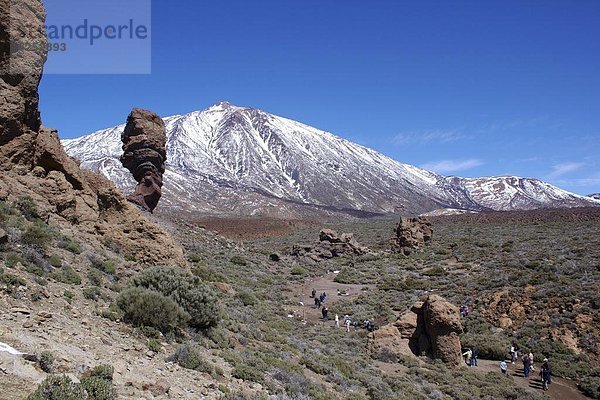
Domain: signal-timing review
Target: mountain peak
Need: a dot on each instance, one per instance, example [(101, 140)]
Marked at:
[(227, 159)]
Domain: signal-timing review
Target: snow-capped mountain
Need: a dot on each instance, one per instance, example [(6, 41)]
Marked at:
[(595, 196), (242, 160)]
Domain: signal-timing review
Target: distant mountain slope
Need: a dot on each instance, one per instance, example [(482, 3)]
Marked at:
[(595, 196), (229, 159)]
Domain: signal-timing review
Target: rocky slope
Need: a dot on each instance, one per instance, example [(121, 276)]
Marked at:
[(243, 160)]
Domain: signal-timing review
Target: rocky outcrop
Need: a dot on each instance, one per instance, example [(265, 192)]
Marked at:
[(23, 45), (33, 162), (331, 244), (144, 155), (431, 328), (411, 234)]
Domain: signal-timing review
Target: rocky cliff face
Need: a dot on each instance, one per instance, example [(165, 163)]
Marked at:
[(33, 162), (144, 155)]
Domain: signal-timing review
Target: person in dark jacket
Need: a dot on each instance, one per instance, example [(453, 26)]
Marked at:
[(474, 355), (324, 312), (545, 374)]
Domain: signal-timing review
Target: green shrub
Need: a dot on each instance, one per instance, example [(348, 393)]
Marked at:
[(95, 277), (92, 293), (188, 357), (69, 245), (297, 270), (239, 260), (66, 275), (103, 371), (98, 388), (248, 373), (109, 267), (58, 387), (12, 259), (55, 261), (142, 306), (12, 281), (38, 235), (187, 291), (590, 385), (154, 345), (247, 298), (28, 209), (45, 361)]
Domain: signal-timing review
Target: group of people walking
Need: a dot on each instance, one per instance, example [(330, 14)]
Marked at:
[(471, 356), (320, 303), (528, 366)]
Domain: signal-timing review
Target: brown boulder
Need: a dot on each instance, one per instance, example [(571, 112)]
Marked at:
[(411, 234), (144, 155), (431, 328)]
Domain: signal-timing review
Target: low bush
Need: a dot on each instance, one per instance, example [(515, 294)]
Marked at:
[(185, 290), (188, 357), (142, 306), (45, 360), (66, 275), (58, 387), (38, 235), (98, 388)]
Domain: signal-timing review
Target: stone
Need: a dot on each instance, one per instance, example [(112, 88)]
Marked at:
[(22, 26), (144, 155), (331, 244), (411, 234), (3, 236), (430, 328), (159, 388)]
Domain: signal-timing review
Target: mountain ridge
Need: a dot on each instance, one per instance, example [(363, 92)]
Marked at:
[(231, 159)]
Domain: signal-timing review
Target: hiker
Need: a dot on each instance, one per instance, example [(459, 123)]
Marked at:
[(371, 326), (366, 323), (313, 294), (324, 312), (526, 365), (468, 355), (317, 303), (531, 361), (466, 311), (347, 322), (462, 311), (503, 367), (474, 355), (513, 353), (337, 321), (545, 374)]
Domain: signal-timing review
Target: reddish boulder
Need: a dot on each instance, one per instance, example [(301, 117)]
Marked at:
[(411, 234), (144, 155)]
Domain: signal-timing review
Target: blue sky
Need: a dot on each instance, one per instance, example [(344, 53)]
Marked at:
[(468, 88)]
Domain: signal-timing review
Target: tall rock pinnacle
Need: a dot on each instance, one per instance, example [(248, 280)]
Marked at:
[(144, 155)]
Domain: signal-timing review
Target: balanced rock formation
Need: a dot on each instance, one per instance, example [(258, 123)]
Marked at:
[(144, 155), (431, 328), (33, 162), (331, 244), (411, 234)]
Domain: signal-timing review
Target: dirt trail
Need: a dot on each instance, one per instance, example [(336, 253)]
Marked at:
[(560, 389), (325, 284)]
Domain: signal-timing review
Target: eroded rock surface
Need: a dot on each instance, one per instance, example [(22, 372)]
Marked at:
[(33, 162), (431, 328), (411, 234), (331, 244), (144, 155)]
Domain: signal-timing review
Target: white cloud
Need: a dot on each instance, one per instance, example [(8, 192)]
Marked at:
[(451, 166), (429, 136), (564, 168)]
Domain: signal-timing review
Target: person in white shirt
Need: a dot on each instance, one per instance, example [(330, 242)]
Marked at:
[(503, 367)]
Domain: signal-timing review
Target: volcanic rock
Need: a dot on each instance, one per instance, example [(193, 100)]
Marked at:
[(33, 162), (411, 234), (23, 51), (144, 155), (331, 244), (431, 328)]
